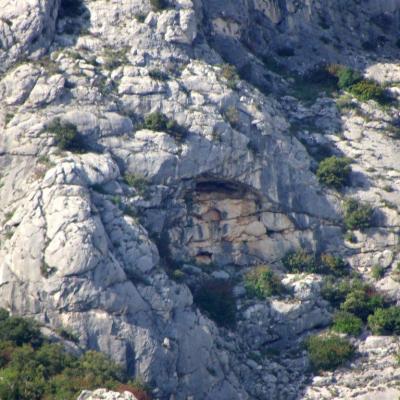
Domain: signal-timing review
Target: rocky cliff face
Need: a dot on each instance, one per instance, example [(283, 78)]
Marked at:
[(113, 236)]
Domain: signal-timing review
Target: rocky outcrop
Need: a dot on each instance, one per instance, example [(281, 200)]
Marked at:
[(114, 238), (104, 394), (26, 29)]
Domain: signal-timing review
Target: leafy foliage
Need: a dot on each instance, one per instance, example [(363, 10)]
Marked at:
[(357, 215), (66, 135), (215, 298), (161, 123), (300, 261), (362, 300), (328, 352), (345, 322), (31, 368), (369, 90), (334, 264), (385, 321), (334, 171), (138, 182), (262, 282), (347, 77)]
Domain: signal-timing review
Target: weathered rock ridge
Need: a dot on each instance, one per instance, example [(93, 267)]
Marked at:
[(92, 239)]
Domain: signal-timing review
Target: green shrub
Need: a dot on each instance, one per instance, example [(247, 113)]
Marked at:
[(215, 298), (345, 322), (20, 331), (347, 77), (262, 282), (33, 369), (385, 321), (335, 290), (334, 264), (334, 171), (66, 135), (161, 123), (362, 301), (377, 272), (357, 215), (230, 74), (369, 90), (300, 261), (140, 183), (328, 352), (231, 114), (159, 5), (158, 75)]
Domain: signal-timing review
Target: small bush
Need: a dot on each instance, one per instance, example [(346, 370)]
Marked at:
[(377, 272), (262, 282), (300, 261), (334, 264), (334, 171), (138, 182), (161, 123), (231, 114), (357, 215), (345, 322), (328, 352), (362, 301), (159, 5), (66, 135), (215, 298), (335, 290), (369, 90), (158, 75), (347, 77), (385, 321), (230, 74)]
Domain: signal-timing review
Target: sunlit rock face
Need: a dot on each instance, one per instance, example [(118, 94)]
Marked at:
[(115, 237), (26, 29)]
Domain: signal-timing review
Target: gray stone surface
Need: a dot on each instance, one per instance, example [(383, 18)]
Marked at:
[(113, 241)]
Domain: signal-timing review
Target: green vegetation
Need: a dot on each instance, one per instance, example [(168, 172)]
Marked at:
[(347, 77), (334, 264), (262, 282), (377, 272), (385, 321), (362, 300), (345, 322), (328, 352), (351, 295), (334, 171), (215, 298), (32, 368), (159, 122), (114, 59), (369, 90), (300, 261), (231, 114), (66, 135), (158, 75), (138, 182), (230, 74), (357, 215), (159, 5)]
